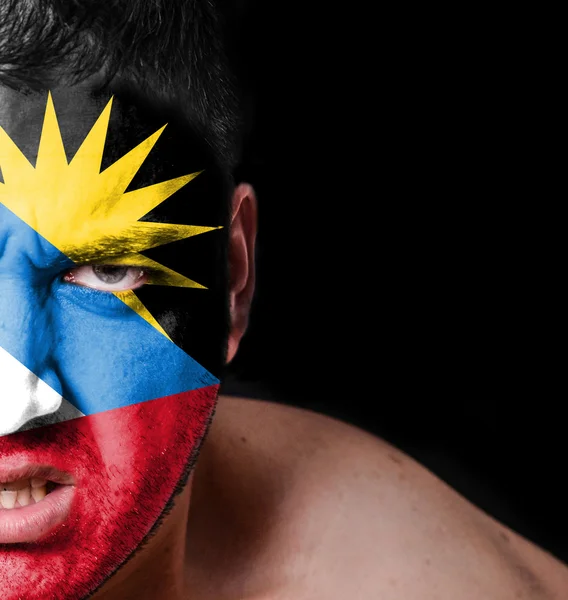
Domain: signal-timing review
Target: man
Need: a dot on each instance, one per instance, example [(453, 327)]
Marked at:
[(126, 276)]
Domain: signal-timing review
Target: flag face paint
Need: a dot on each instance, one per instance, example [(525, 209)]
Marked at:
[(92, 383), (71, 330)]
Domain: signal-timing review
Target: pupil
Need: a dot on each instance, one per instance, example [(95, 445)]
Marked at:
[(110, 274)]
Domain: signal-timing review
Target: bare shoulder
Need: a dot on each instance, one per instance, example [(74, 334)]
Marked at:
[(304, 506)]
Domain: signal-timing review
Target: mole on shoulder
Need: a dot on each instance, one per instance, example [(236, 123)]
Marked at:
[(395, 458)]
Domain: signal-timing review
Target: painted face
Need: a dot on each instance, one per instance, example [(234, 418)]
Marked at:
[(104, 395)]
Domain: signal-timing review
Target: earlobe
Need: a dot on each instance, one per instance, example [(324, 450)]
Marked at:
[(242, 241)]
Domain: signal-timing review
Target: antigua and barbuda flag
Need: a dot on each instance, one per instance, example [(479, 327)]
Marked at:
[(61, 214), (75, 361)]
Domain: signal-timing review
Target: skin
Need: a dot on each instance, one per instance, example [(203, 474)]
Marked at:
[(128, 462), (336, 514)]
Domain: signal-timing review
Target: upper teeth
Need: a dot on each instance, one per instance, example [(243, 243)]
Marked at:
[(22, 492)]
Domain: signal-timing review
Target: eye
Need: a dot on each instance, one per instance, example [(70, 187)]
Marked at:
[(107, 278)]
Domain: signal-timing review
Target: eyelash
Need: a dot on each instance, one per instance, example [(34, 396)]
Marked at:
[(144, 272), (101, 302)]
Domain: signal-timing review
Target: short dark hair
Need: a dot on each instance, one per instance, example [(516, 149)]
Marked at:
[(171, 53), (173, 47)]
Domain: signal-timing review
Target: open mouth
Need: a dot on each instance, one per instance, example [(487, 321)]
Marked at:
[(34, 500), (17, 494)]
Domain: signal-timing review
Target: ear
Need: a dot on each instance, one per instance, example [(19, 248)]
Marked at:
[(242, 241)]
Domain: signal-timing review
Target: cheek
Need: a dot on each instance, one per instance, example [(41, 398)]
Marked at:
[(108, 357), (143, 450), (147, 404), (146, 400), (127, 463)]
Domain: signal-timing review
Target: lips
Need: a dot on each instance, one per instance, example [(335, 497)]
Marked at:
[(42, 513), (29, 471)]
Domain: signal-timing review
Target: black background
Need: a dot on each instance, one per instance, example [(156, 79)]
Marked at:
[(394, 289)]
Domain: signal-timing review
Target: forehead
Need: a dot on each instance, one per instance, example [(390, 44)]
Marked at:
[(134, 116), (21, 115)]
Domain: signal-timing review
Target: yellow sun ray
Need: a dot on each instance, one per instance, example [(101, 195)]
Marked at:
[(140, 202), (105, 218)]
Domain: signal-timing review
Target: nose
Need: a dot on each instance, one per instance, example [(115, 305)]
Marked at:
[(29, 385)]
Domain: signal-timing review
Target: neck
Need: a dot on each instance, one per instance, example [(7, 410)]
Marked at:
[(158, 569)]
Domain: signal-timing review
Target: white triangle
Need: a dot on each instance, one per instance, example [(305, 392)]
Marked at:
[(26, 401)]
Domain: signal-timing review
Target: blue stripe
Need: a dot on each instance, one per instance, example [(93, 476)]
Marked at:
[(86, 344)]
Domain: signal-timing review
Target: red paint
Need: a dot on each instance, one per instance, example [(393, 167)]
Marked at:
[(126, 463)]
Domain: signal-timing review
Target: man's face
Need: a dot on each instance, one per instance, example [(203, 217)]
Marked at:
[(96, 398)]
